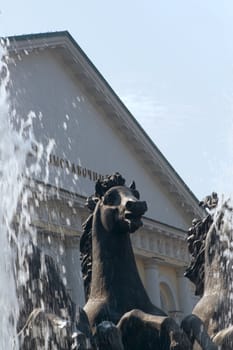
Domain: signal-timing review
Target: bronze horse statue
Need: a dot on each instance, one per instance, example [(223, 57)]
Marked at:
[(114, 291), (210, 242)]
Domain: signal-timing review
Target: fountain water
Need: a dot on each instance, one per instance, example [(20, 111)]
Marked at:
[(36, 308), (15, 145)]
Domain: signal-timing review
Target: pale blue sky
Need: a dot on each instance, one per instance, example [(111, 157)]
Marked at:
[(170, 61)]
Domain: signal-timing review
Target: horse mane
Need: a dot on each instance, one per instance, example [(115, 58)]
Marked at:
[(86, 254), (101, 187), (196, 244)]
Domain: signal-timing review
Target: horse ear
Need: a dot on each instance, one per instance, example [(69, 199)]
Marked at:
[(132, 186), (134, 191)]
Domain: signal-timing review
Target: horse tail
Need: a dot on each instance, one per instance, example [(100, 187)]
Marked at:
[(86, 255)]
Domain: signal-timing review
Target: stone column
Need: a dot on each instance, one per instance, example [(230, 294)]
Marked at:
[(73, 271), (152, 282), (186, 299)]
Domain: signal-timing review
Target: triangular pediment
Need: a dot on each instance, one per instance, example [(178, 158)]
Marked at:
[(94, 132)]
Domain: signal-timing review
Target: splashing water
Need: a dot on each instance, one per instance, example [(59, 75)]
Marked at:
[(219, 275), (226, 262), (15, 146)]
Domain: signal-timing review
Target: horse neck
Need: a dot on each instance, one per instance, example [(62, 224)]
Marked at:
[(113, 263)]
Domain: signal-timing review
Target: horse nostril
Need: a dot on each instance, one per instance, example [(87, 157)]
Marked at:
[(138, 207), (129, 205)]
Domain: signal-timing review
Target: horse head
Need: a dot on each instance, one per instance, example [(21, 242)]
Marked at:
[(121, 210), (119, 206), (203, 244)]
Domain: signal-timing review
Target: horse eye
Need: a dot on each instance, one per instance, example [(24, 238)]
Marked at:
[(112, 199)]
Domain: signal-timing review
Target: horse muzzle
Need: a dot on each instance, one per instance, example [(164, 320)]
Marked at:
[(136, 208)]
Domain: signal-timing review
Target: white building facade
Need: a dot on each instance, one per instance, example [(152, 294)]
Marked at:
[(93, 134)]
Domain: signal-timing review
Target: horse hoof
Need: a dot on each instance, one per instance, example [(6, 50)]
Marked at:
[(108, 336)]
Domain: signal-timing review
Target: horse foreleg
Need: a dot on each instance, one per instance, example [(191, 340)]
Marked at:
[(144, 331), (224, 338), (195, 330)]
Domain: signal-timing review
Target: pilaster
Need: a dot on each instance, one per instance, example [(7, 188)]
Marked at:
[(184, 293), (152, 282)]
